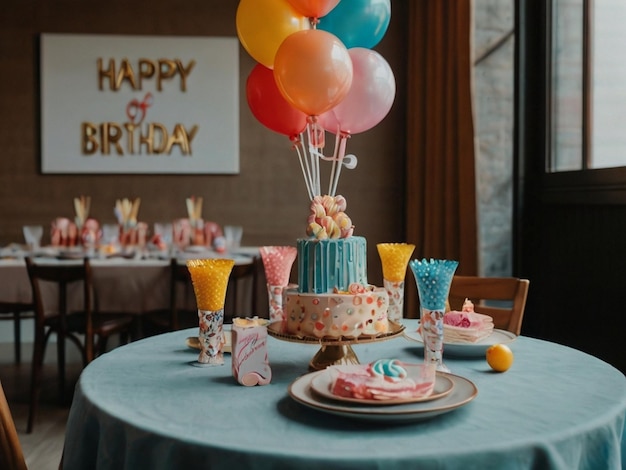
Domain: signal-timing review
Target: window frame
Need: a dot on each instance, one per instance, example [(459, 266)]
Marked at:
[(587, 185)]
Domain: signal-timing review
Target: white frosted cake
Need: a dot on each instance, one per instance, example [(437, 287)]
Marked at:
[(333, 298)]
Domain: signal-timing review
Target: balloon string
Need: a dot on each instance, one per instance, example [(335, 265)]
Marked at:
[(342, 152), (306, 174), (316, 141), (334, 167)]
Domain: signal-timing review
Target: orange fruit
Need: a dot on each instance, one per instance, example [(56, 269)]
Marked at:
[(499, 357)]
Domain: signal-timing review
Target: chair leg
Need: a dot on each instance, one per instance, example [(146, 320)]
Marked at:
[(61, 365), (35, 381), (101, 347), (17, 336)]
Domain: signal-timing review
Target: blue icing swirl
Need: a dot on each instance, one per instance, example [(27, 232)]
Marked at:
[(433, 280), (389, 368)]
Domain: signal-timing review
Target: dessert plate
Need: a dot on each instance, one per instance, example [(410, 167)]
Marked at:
[(476, 349), (194, 343), (463, 391), (321, 385)]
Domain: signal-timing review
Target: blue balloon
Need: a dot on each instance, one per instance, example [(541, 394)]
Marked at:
[(358, 23)]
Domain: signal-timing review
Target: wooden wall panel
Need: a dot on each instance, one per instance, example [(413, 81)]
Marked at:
[(574, 256)]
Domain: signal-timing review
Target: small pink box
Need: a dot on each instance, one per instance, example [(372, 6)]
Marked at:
[(250, 363)]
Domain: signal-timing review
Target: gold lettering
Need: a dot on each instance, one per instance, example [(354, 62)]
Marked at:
[(149, 139), (190, 136), (184, 73), (146, 70), (146, 140), (104, 143), (106, 74), (114, 135), (159, 137), (130, 144), (167, 69), (126, 73), (89, 140), (178, 137)]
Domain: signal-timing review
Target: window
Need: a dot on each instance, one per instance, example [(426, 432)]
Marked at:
[(587, 84)]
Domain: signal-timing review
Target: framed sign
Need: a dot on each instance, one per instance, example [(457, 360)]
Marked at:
[(139, 104)]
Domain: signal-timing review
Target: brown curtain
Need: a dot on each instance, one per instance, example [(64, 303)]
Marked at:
[(441, 188)]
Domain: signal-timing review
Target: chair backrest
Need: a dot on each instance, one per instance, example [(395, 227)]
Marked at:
[(242, 286), (11, 454), (243, 281), (63, 275), (179, 276), (502, 298)]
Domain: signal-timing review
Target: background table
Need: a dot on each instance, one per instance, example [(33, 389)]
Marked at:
[(144, 406), (121, 285)]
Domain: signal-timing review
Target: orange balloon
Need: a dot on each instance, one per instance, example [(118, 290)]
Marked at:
[(314, 8), (262, 25), (313, 71)]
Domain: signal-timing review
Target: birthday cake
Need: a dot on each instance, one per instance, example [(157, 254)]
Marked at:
[(333, 298)]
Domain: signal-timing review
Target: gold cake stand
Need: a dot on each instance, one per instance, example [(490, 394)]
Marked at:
[(335, 351)]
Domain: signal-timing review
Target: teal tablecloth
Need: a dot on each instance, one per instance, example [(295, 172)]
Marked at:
[(143, 406)]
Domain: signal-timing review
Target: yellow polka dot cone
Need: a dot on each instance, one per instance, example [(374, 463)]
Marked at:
[(210, 280), (395, 258)]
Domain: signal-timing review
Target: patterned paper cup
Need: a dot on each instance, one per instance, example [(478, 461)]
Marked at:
[(277, 262), (394, 258), (210, 280), (433, 279)]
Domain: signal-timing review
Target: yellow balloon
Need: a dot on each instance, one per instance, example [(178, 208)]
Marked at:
[(262, 25)]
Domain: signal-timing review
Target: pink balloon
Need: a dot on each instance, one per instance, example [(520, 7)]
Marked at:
[(370, 97)]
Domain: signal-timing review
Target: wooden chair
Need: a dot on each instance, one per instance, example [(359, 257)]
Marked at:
[(242, 276), (502, 298), (16, 312), (179, 317), (169, 319), (11, 454), (65, 323)]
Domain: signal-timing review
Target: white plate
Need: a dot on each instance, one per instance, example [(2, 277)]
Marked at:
[(476, 349), (321, 385), (462, 393)]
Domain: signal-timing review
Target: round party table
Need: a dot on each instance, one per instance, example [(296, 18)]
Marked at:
[(145, 406)]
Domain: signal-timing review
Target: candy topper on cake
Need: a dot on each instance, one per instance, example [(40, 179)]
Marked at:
[(317, 74)]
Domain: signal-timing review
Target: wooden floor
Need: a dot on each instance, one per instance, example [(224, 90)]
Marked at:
[(44, 446)]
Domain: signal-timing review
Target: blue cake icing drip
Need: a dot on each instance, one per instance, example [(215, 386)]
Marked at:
[(433, 280), (324, 265)]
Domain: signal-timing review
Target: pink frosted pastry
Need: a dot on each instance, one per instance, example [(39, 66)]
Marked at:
[(385, 379), (466, 326)]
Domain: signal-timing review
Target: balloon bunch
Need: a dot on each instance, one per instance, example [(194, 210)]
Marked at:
[(317, 74)]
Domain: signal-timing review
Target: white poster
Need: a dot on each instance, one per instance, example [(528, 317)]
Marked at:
[(139, 104)]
